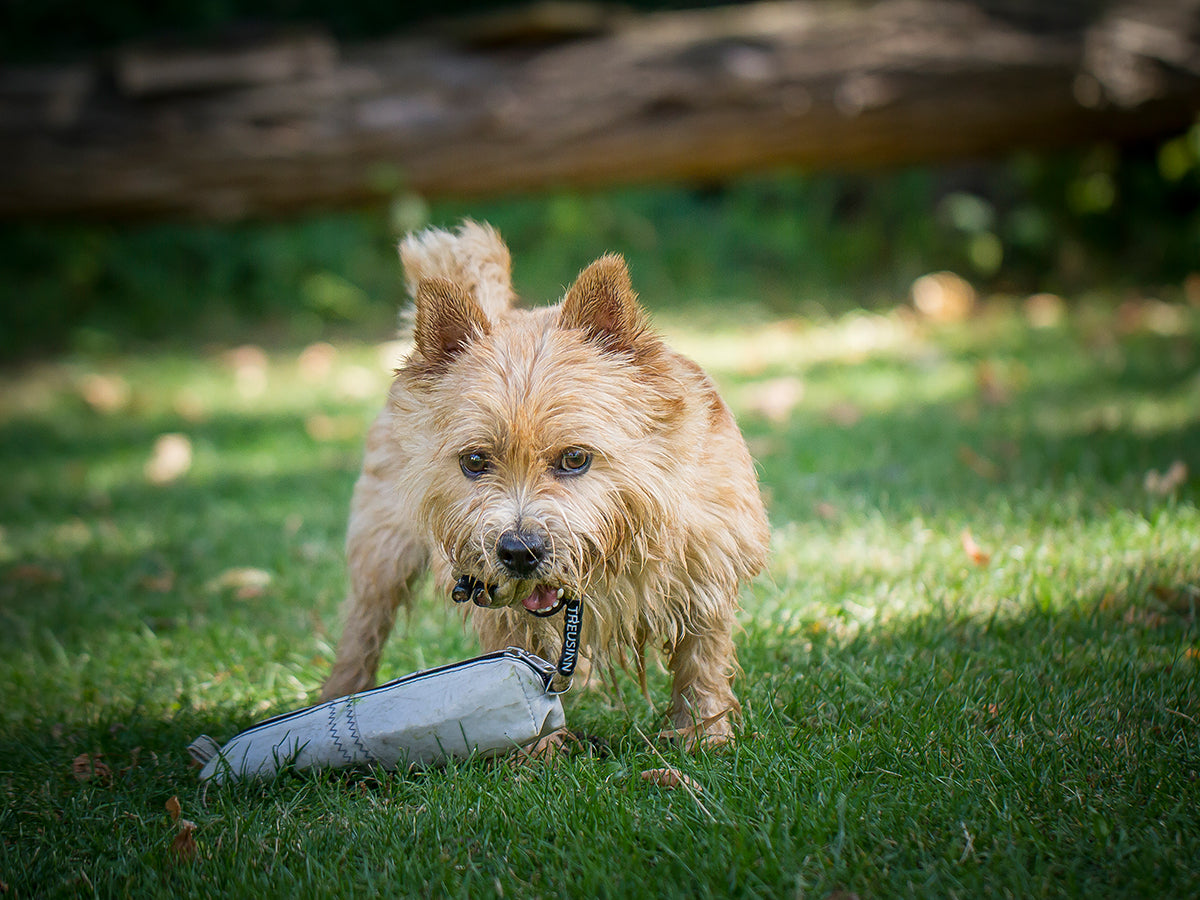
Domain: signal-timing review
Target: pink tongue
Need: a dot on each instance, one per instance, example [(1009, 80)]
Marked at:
[(543, 597)]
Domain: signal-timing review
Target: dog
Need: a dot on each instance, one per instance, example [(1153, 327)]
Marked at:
[(548, 454)]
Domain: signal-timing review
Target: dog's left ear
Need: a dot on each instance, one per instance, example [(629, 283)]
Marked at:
[(448, 318), (602, 304)]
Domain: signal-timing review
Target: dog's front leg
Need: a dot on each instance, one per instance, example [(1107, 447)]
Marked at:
[(385, 557), (702, 700)]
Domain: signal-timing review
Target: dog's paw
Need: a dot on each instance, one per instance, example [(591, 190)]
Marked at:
[(559, 744), (712, 733), (546, 749)]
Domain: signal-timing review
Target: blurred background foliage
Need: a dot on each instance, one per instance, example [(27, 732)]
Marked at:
[(1100, 221)]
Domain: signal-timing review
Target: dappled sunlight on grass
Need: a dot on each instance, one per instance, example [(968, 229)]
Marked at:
[(790, 344), (977, 627)]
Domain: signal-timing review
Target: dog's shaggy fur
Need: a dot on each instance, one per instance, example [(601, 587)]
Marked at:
[(550, 452)]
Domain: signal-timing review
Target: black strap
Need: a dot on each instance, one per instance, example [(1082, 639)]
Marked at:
[(572, 619)]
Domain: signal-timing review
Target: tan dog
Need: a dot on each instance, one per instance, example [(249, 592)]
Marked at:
[(548, 453)]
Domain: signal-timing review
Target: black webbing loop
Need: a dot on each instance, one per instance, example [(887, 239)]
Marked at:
[(572, 619)]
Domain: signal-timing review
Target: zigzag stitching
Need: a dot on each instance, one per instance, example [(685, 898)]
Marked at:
[(333, 733), (352, 722)]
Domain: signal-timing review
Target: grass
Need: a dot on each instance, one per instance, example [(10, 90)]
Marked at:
[(973, 668)]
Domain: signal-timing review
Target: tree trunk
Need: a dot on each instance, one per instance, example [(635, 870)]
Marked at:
[(582, 96)]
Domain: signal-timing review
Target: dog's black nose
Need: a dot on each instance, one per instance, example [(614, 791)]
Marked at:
[(521, 552)]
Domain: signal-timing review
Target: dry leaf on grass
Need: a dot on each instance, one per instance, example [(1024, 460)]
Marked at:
[(174, 808), (183, 846), (826, 510), (33, 574), (1045, 310), (250, 366), (943, 297), (670, 778), (975, 553), (170, 459), (1168, 482), (162, 583), (316, 361), (190, 405), (85, 767), (775, 398), (105, 393), (844, 415), (246, 582)]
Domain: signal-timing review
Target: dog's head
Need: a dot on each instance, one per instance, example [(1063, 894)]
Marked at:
[(551, 438)]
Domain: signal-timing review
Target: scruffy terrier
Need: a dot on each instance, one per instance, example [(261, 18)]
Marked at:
[(547, 454)]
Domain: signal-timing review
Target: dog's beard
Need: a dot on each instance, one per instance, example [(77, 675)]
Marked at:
[(575, 561)]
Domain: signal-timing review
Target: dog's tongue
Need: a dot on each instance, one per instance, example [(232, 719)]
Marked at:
[(543, 597)]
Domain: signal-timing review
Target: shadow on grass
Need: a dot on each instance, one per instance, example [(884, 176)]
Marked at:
[(286, 508)]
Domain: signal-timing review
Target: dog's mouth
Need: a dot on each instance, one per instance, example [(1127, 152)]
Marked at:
[(545, 600), (542, 601)]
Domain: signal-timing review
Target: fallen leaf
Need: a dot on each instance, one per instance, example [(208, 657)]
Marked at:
[(250, 365), (826, 511), (1045, 310), (170, 459), (846, 415), (105, 393), (246, 582), (943, 297), (316, 361), (183, 847), (670, 778), (33, 574), (775, 398), (190, 405), (1153, 315), (174, 809), (85, 767), (974, 552), (1162, 485), (159, 584)]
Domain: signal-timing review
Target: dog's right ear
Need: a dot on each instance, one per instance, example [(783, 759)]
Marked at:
[(447, 319), (601, 303)]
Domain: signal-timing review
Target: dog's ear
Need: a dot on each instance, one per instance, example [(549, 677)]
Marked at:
[(447, 319), (603, 305)]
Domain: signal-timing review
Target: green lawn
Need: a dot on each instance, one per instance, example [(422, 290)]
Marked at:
[(973, 668)]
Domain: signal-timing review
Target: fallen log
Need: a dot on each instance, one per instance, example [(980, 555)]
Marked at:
[(584, 96)]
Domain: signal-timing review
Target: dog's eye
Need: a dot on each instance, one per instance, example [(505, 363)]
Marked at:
[(574, 461), (473, 464)]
